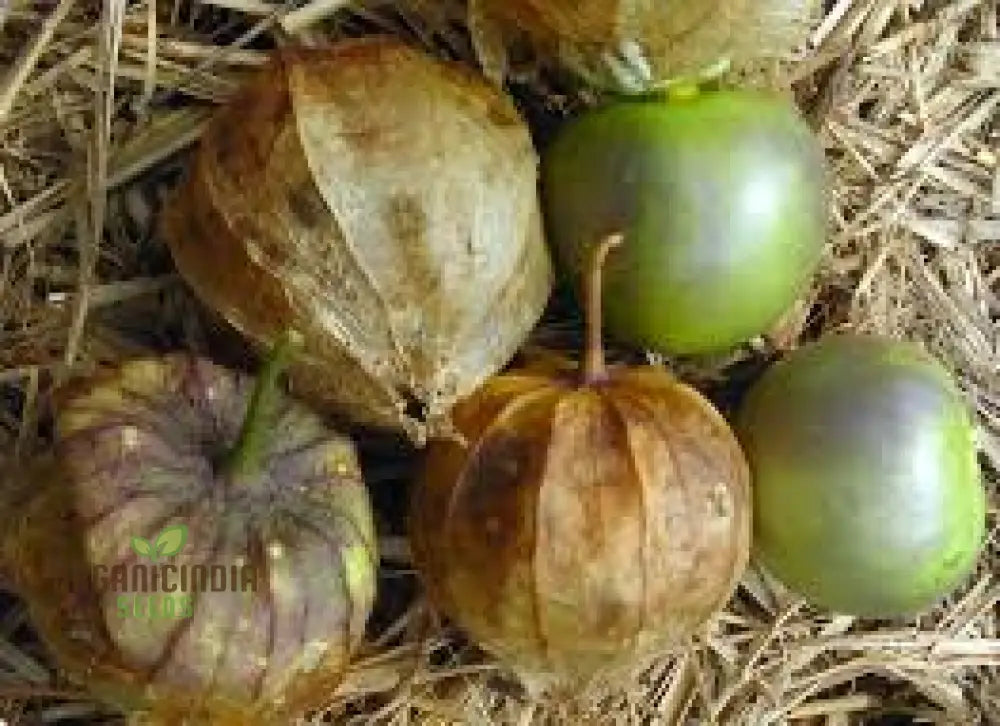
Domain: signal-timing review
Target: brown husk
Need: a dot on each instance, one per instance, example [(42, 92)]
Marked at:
[(583, 531), (412, 262), (637, 45)]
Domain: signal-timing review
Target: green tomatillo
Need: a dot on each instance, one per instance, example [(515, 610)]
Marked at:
[(721, 197), (868, 497)]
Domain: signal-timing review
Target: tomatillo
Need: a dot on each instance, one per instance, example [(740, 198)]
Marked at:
[(868, 498), (721, 198)]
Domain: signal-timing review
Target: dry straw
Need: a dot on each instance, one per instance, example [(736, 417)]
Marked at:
[(98, 102)]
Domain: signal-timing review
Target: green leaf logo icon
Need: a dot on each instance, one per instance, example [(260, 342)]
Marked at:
[(171, 540), (167, 543), (142, 547)]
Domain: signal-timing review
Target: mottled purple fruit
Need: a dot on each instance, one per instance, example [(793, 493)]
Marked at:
[(169, 580)]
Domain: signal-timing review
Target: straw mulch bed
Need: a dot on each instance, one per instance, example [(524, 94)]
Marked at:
[(99, 105)]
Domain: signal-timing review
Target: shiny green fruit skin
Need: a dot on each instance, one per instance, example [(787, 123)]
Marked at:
[(721, 199), (868, 498)]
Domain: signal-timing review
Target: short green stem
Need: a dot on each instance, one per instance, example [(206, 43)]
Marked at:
[(245, 457)]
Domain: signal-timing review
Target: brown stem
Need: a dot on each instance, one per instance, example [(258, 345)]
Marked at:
[(594, 367)]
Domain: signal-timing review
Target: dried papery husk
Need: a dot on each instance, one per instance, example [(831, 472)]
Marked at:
[(139, 450), (637, 45), (384, 204), (589, 522)]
